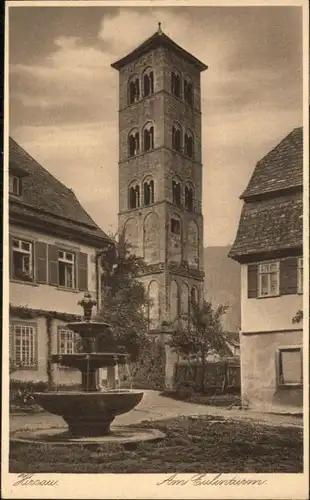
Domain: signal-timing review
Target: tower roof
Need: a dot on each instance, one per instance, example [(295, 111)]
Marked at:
[(159, 39)]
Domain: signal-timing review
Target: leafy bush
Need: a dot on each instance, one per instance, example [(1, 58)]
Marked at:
[(21, 391)]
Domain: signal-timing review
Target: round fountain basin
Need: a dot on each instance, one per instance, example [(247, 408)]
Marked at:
[(88, 413), (87, 403), (92, 361)]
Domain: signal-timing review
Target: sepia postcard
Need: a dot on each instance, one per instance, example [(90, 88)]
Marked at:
[(155, 257)]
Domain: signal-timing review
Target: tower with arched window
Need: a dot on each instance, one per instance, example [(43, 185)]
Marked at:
[(160, 175)]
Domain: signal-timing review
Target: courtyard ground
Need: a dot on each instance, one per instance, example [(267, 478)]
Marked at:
[(206, 444)]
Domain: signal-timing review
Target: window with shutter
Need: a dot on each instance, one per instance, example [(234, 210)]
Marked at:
[(41, 261), (252, 281), (82, 271), (288, 276)]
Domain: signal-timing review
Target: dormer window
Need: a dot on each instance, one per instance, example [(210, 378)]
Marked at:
[(15, 185), (148, 82)]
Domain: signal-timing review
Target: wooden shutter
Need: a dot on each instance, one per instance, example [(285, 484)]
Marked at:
[(288, 276), (11, 257), (82, 259), (41, 261), (53, 265), (252, 281)]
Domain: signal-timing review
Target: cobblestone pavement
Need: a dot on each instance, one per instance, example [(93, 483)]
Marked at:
[(156, 407)]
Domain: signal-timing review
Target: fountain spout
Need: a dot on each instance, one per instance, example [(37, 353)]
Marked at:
[(87, 304)]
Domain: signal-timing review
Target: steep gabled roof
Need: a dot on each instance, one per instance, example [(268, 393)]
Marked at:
[(280, 169), (268, 226), (44, 197), (159, 39), (272, 216)]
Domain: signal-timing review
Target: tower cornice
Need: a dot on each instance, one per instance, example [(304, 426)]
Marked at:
[(161, 91), (163, 148)]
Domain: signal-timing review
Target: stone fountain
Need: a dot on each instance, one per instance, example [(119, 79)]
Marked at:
[(89, 412)]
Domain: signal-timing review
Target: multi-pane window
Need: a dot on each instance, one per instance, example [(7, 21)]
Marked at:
[(66, 269), (300, 275), (290, 366), (24, 345), (15, 185), (66, 341), (22, 260), (268, 279)]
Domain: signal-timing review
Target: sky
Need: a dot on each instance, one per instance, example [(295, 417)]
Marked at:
[(63, 94)]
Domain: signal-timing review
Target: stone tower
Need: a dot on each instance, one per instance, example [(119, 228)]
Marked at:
[(160, 175)]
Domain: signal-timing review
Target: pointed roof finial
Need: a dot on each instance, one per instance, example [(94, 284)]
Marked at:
[(159, 28)]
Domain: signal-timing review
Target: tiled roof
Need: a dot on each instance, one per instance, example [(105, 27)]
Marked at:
[(281, 168), (156, 40), (45, 198), (269, 225)]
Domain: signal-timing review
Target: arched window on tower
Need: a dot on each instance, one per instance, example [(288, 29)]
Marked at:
[(148, 137), (176, 84), (134, 195), (188, 91), (134, 143), (148, 191), (148, 82), (189, 196), (176, 191), (189, 144), (133, 89), (176, 137)]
